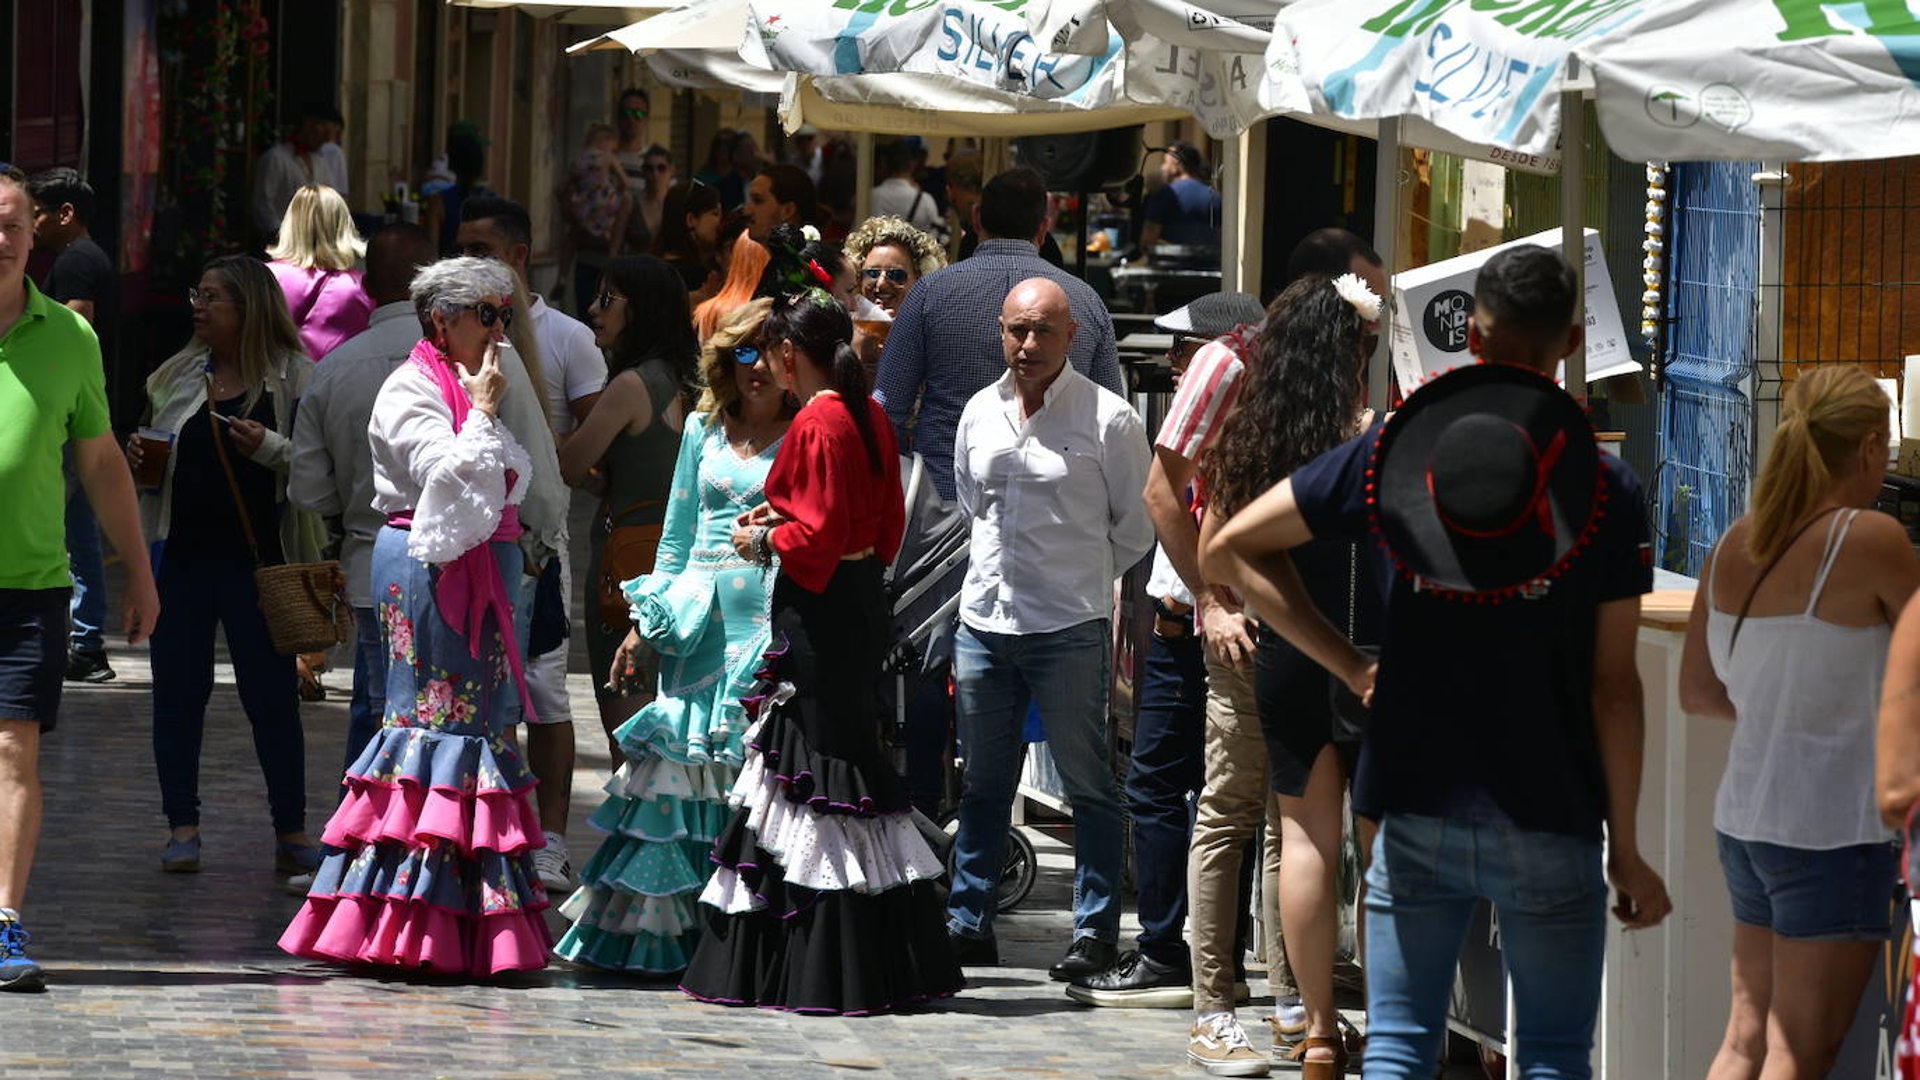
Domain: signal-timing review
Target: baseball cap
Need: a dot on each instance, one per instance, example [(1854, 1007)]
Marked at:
[(1212, 315)]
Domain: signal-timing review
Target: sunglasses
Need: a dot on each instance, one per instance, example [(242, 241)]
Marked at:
[(634, 114), (197, 298), (489, 314), (658, 167), (891, 273), (606, 298), (744, 355)]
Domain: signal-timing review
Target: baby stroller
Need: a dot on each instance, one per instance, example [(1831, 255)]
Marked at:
[(923, 592)]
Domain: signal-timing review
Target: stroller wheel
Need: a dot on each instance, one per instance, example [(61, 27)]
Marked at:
[(1016, 876)]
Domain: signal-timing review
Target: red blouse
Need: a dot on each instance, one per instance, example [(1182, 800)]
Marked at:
[(823, 484)]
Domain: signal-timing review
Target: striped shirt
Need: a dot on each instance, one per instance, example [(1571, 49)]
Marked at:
[(945, 346), (1206, 395)]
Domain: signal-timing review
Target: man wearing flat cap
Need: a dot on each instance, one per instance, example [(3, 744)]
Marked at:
[(1506, 729)]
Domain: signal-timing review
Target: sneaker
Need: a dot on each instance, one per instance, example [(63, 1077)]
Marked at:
[(1288, 1022), (974, 951), (297, 885), (552, 865), (88, 665), (181, 856), (17, 973), (1086, 956), (1137, 981), (1218, 1045)]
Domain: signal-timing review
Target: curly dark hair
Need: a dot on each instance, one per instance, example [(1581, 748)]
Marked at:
[(1303, 388)]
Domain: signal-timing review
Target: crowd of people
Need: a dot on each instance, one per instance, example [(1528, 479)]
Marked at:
[(1433, 611)]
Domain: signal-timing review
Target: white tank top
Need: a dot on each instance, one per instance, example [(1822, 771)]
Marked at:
[(1807, 694)]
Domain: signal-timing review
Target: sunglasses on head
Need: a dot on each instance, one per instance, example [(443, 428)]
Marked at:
[(488, 314), (891, 273)]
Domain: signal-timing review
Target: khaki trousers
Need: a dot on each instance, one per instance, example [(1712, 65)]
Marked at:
[(1231, 804)]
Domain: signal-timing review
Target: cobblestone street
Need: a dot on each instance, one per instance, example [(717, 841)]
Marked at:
[(153, 974)]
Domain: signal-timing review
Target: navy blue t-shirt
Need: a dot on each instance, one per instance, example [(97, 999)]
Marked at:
[(1188, 212), (1484, 712)]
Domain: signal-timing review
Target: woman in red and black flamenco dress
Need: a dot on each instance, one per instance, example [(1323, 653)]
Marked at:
[(823, 898)]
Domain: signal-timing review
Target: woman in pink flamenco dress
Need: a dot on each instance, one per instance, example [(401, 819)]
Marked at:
[(428, 862)]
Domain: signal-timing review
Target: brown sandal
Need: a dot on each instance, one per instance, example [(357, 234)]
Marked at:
[(311, 688), (1330, 1069)]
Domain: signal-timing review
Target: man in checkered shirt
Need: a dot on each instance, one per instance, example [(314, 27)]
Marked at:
[(945, 343)]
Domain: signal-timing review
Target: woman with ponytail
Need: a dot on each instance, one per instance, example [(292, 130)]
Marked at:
[(1788, 640), (823, 898)]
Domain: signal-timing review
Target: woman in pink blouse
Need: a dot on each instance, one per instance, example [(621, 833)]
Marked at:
[(313, 261)]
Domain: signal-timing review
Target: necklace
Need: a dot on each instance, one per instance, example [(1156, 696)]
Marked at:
[(751, 442)]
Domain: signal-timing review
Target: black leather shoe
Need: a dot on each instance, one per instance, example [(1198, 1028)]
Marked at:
[(974, 951), (1086, 956), (1137, 981)]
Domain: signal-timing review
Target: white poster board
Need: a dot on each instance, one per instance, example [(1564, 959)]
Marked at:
[(1432, 305)]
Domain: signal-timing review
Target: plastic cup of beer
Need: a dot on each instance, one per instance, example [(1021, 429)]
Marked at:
[(156, 445)]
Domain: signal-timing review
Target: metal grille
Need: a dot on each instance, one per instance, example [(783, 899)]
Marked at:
[(1850, 281), (1706, 411)]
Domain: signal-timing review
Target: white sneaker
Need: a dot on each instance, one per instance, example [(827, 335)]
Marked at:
[(297, 885), (552, 865), (1219, 1045)]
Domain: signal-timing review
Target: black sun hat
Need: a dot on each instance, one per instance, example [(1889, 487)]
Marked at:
[(1486, 480)]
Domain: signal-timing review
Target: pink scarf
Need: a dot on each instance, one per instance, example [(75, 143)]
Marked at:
[(470, 587)]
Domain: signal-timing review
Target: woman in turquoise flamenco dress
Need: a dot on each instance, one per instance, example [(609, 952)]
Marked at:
[(704, 611)]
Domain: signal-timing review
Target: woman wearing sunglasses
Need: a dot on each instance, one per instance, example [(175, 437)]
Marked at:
[(640, 318), (822, 898), (703, 613), (429, 860), (892, 256), (226, 401), (689, 237)]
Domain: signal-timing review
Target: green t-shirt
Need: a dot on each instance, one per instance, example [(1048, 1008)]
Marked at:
[(52, 389)]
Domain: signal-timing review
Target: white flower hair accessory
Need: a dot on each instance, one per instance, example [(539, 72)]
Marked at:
[(1355, 292), (813, 235)]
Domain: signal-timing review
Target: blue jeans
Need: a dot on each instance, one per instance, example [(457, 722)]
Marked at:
[(1064, 672), (88, 609), (1168, 770), (1549, 894), (199, 595), (369, 705)]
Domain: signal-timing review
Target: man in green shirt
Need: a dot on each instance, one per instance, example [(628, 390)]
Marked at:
[(52, 392)]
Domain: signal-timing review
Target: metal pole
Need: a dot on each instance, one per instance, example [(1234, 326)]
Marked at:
[(1573, 205), (1386, 218), (862, 176)]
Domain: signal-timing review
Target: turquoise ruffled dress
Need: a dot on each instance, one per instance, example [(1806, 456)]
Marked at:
[(705, 611)]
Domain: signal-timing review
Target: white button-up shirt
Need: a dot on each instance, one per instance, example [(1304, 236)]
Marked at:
[(1054, 500)]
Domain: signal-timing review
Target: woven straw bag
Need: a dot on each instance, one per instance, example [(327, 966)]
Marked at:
[(305, 604)]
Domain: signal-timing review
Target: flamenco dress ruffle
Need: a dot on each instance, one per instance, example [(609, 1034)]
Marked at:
[(636, 908), (822, 898), (428, 858)]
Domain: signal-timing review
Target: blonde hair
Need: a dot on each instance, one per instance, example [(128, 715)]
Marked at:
[(875, 232), (1827, 414), (267, 333), (749, 261), (742, 324), (317, 232)]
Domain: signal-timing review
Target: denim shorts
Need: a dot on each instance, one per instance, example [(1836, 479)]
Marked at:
[(1841, 894), (33, 653)]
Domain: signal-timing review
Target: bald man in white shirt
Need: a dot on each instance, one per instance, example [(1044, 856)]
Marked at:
[(1048, 466)]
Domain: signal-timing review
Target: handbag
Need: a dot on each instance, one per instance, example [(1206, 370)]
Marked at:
[(1349, 715), (1907, 1049), (305, 604), (629, 553)]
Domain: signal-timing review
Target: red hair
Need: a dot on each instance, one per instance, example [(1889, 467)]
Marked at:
[(744, 269)]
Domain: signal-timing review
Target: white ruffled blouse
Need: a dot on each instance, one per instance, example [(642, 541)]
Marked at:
[(454, 484)]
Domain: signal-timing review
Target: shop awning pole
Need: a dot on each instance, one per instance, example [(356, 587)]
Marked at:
[(1386, 220), (1573, 204), (862, 176)]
